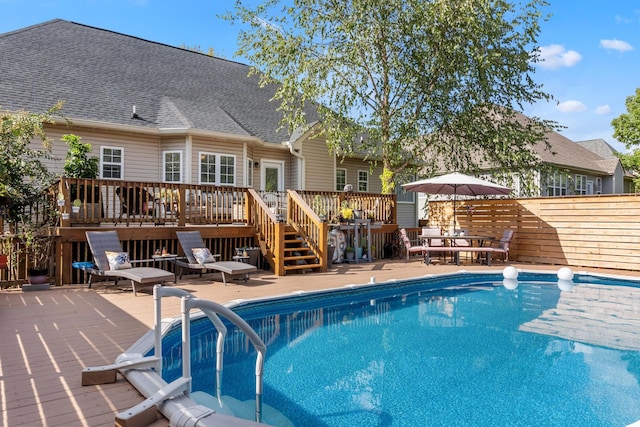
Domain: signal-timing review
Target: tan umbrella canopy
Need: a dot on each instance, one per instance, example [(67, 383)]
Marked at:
[(457, 184)]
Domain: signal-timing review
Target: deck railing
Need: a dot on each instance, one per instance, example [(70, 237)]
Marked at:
[(130, 202), (258, 218)]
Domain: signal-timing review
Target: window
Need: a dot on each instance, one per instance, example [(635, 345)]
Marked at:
[(249, 182), (207, 168), (363, 181), (341, 179), (598, 188), (404, 196), (172, 166), (217, 169), (557, 184), (111, 163), (581, 184), (227, 170)]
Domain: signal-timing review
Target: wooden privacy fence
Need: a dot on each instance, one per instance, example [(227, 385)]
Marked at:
[(582, 231)]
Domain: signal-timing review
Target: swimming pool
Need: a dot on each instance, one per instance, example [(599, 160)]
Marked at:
[(450, 350)]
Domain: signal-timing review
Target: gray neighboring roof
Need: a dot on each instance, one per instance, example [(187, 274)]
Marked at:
[(566, 153), (600, 147), (102, 74)]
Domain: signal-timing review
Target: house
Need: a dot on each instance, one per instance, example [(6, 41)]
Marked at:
[(154, 112), (582, 168)]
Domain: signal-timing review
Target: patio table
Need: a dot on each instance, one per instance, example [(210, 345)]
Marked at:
[(450, 239)]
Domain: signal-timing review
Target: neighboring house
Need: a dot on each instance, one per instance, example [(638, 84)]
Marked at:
[(605, 150), (583, 168), (154, 112), (581, 171)]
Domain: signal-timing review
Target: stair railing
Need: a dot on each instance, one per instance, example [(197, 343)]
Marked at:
[(309, 226), (269, 231)]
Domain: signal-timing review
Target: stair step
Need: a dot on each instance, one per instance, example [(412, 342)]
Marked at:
[(301, 267), (298, 257), (298, 249)]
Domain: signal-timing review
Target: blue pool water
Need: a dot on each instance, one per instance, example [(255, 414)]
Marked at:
[(441, 351)]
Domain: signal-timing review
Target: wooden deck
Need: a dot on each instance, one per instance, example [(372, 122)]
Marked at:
[(48, 337)]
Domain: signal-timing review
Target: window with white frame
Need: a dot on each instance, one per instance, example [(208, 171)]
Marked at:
[(218, 169), (111, 163), (207, 168), (341, 179), (227, 170), (172, 166), (581, 184), (363, 180), (557, 184), (249, 173), (404, 196)]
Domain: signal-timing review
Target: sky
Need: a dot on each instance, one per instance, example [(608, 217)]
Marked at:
[(591, 48)]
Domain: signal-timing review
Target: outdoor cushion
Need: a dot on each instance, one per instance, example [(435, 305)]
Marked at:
[(203, 255), (118, 260)]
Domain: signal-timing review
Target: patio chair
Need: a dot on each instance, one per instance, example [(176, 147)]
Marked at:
[(199, 258), (112, 262), (410, 248), (135, 201), (502, 248), (435, 241), (463, 243)]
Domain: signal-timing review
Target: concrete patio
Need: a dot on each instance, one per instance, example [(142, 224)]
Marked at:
[(48, 337)]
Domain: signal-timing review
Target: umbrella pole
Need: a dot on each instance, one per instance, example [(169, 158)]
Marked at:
[(455, 190)]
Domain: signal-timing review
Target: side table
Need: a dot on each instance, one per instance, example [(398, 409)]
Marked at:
[(163, 259)]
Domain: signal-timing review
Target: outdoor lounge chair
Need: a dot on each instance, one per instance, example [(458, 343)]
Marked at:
[(190, 240), (112, 262)]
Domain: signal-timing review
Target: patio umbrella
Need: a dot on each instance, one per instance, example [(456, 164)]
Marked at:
[(457, 184)]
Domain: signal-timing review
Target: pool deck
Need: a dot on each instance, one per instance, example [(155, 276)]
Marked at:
[(48, 337)]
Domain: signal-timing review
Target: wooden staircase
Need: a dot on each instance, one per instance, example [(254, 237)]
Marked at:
[(297, 256)]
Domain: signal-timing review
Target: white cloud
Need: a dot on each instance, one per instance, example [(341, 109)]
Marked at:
[(571, 106), (556, 56), (619, 45), (603, 110)]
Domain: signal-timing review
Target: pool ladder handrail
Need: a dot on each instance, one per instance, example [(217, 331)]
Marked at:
[(182, 385), (211, 310)]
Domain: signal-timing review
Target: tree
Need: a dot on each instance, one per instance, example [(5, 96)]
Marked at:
[(407, 82), (23, 176), (627, 130), (77, 163)]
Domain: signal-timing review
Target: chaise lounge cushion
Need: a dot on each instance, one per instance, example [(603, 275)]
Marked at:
[(203, 255), (118, 260)]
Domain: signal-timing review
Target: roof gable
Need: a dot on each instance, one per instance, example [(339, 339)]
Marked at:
[(101, 75)]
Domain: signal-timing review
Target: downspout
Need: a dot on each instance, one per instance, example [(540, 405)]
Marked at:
[(296, 138)]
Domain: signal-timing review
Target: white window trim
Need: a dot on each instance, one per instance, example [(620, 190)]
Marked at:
[(580, 186), (164, 165), (102, 162), (336, 179), (218, 168), (248, 174), (366, 173)]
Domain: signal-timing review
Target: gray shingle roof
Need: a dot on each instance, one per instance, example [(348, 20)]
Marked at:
[(101, 75), (571, 155)]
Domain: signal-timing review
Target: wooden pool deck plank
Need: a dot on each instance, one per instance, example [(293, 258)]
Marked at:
[(48, 337)]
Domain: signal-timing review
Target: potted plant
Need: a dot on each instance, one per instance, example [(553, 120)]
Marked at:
[(38, 244), (79, 165), (76, 206), (350, 253), (346, 212)]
